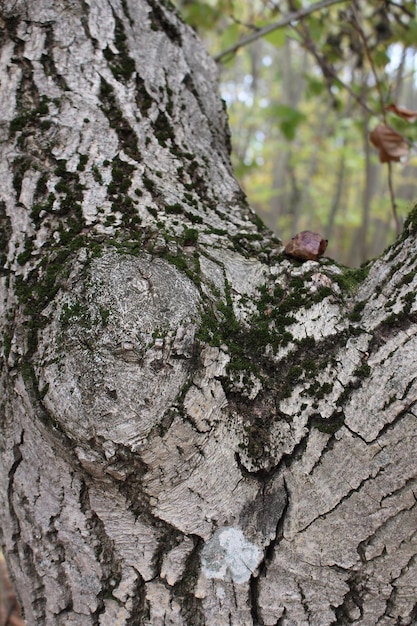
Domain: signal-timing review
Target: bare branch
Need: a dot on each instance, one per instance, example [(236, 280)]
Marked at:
[(291, 17)]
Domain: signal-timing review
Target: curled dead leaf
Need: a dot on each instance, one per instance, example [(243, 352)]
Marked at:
[(405, 114), (391, 145)]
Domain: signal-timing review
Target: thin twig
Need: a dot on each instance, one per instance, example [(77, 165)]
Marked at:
[(392, 198), (329, 72), (359, 30), (261, 32), (402, 8)]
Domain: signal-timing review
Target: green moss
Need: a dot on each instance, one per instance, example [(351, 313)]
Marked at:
[(104, 315), (97, 174), (23, 257), (294, 374), (96, 248), (217, 231), (408, 300), (179, 262), (153, 211), (41, 187), (307, 343), (159, 21), (26, 369), (110, 220), (43, 108), (148, 184), (126, 12), (410, 225), (351, 278), (7, 344), (330, 425), (363, 371), (122, 65), (121, 175), (18, 123), (82, 162), (65, 203), (20, 165), (175, 209), (117, 189), (258, 221), (268, 327), (189, 265), (41, 286), (30, 117), (199, 185), (296, 283), (163, 129), (257, 440), (75, 312), (190, 236), (396, 319), (295, 297), (69, 194), (355, 315), (309, 366), (210, 331), (247, 342), (194, 219), (322, 391), (125, 133), (191, 200), (321, 294), (408, 278)]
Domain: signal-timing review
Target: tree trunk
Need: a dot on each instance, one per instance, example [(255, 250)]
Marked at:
[(194, 429)]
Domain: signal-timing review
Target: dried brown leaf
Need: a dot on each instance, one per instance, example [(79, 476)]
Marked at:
[(406, 114), (391, 145)]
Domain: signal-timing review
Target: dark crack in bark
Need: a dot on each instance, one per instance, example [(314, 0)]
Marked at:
[(105, 552), (191, 607), (269, 552)]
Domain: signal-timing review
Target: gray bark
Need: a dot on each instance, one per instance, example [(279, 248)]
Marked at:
[(194, 429)]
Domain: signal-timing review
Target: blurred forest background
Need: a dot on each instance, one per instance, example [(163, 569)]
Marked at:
[(302, 101)]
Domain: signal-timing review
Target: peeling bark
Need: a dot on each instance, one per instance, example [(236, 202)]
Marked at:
[(194, 429)]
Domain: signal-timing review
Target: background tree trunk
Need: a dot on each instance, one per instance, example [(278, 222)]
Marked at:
[(9, 608), (194, 429)]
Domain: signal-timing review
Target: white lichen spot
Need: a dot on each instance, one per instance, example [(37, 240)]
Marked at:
[(229, 556)]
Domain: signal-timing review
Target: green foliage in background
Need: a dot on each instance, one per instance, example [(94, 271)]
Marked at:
[(302, 101)]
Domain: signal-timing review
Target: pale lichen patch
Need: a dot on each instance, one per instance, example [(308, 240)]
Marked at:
[(228, 555)]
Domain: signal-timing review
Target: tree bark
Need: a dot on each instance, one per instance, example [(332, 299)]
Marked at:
[(194, 429)]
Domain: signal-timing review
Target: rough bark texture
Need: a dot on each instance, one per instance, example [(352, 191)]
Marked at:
[(194, 429)]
